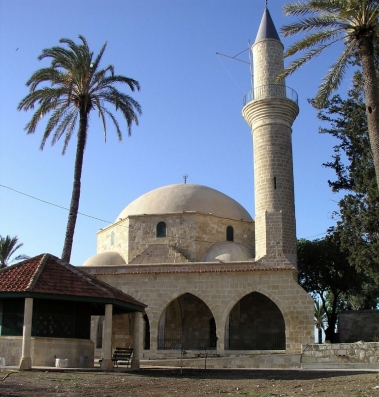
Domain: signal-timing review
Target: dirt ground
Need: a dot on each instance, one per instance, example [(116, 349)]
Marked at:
[(159, 383)]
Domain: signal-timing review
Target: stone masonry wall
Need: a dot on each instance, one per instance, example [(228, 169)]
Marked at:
[(268, 62), (341, 355), (274, 191), (189, 234)]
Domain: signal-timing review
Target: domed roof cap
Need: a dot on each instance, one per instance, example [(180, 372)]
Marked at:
[(186, 197), (105, 259), (267, 28), (227, 251)]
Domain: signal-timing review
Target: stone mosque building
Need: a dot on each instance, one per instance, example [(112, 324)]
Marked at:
[(213, 278)]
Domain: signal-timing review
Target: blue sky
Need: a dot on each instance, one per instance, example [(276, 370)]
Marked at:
[(191, 123)]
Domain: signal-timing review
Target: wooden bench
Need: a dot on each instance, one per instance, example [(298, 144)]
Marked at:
[(123, 354)]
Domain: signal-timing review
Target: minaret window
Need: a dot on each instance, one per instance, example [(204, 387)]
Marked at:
[(229, 233), (161, 229), (112, 238), (275, 182)]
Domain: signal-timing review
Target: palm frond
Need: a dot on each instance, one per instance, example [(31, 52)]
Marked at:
[(308, 24), (115, 122), (314, 6), (303, 60), (333, 78), (8, 246), (111, 80), (311, 41)]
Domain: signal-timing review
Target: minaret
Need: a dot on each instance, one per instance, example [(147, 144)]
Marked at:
[(270, 110)]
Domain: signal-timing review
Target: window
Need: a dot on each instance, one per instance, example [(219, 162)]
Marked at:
[(229, 233), (161, 229), (112, 238)]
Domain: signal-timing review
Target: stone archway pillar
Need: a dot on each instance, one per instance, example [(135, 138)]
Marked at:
[(106, 363), (26, 360), (137, 340), (220, 331)]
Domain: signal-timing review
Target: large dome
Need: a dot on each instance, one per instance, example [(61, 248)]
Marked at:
[(186, 197)]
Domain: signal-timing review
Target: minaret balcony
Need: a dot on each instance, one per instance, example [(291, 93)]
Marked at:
[(271, 91)]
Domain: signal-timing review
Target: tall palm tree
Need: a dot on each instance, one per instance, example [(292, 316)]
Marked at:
[(75, 85), (319, 318), (8, 246), (355, 23)]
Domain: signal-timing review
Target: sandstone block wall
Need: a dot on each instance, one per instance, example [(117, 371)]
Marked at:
[(268, 62), (44, 351), (188, 236), (341, 355)]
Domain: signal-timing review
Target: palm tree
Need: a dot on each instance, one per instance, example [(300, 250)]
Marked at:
[(353, 22), (8, 246), (75, 85), (319, 318)]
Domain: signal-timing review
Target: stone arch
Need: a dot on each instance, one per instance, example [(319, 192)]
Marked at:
[(262, 290), (254, 320), (186, 322)]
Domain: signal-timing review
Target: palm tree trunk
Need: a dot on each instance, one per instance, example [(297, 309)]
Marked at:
[(370, 84), (320, 335), (74, 206)]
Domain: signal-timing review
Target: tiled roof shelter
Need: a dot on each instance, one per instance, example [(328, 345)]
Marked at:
[(47, 277), (49, 304)]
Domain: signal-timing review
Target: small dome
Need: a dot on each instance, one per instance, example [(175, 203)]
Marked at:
[(105, 259), (227, 251), (186, 197)]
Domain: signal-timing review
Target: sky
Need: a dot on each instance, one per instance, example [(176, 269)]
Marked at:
[(191, 100)]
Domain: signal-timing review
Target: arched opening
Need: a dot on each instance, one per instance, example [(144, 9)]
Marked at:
[(229, 233), (187, 323), (112, 238), (255, 323), (146, 332), (161, 229)]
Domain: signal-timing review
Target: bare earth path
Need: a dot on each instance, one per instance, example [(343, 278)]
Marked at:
[(163, 383)]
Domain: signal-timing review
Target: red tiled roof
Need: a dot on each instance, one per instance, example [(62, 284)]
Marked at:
[(46, 274)]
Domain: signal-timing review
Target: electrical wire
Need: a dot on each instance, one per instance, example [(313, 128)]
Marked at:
[(55, 205)]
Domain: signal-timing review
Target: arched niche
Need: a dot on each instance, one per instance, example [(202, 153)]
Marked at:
[(255, 323), (187, 323)]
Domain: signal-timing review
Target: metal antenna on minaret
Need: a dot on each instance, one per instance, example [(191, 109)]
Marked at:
[(251, 67), (185, 176), (266, 4)]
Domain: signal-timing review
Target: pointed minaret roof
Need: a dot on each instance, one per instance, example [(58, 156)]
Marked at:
[(267, 28)]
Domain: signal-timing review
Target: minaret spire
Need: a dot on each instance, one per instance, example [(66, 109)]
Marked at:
[(267, 29)]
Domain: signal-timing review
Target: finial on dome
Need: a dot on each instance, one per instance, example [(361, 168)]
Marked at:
[(185, 176), (266, 4)]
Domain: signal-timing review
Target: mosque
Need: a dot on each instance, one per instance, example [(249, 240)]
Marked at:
[(213, 278)]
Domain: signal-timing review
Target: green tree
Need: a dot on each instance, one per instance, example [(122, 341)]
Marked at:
[(72, 87), (355, 24), (326, 274), (320, 319), (358, 215), (8, 246)]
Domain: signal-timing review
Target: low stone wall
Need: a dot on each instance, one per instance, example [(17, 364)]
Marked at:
[(10, 349), (44, 351), (284, 361), (360, 355)]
